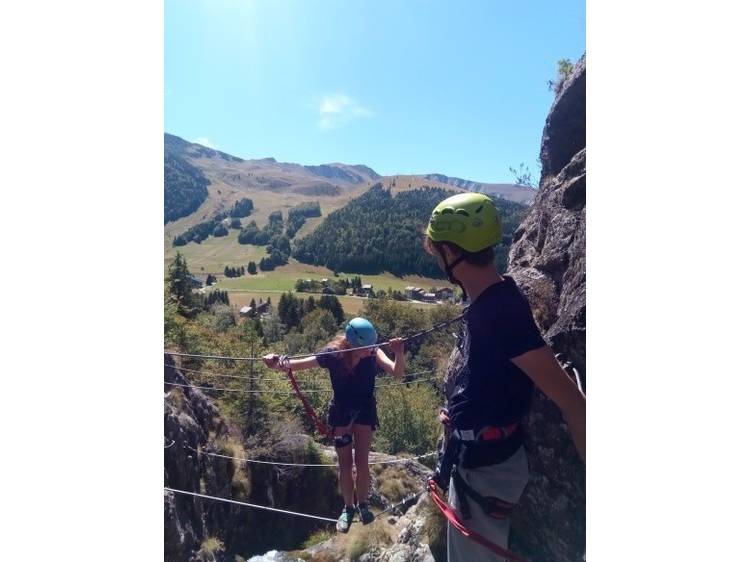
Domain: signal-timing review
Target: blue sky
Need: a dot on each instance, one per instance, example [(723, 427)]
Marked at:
[(404, 87)]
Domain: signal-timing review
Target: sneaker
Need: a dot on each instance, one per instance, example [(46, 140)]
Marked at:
[(345, 519), (365, 515)]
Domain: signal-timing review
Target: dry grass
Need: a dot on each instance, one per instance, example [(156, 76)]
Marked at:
[(231, 447), (209, 549), (395, 483), (361, 539), (319, 536)]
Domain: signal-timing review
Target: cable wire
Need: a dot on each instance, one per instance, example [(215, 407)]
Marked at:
[(272, 379), (265, 507), (255, 461), (302, 356), (311, 391), (404, 501)]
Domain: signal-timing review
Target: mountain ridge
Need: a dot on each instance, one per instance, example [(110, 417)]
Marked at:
[(240, 176)]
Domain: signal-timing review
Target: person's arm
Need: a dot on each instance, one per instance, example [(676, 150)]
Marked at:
[(272, 361), (396, 368), (541, 367)]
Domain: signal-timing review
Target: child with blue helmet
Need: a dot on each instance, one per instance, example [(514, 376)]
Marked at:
[(352, 412)]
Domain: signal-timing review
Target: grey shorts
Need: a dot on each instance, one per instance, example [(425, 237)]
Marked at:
[(506, 481)]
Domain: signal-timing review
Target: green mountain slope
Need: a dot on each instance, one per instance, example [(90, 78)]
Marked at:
[(381, 232), (185, 186)]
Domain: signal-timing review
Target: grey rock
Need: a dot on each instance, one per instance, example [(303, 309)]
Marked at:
[(548, 260)]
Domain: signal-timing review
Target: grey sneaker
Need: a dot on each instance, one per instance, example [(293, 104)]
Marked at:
[(365, 515), (345, 519)]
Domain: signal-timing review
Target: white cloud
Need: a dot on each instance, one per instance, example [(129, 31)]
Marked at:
[(205, 142), (337, 109)]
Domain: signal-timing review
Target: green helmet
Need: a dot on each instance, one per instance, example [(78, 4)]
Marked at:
[(469, 220)]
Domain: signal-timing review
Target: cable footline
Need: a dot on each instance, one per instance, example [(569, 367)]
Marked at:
[(243, 459), (402, 502), (264, 507)]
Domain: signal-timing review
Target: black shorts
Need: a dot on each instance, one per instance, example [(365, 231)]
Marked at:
[(340, 416)]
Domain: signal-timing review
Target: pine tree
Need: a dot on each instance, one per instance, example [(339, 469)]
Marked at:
[(180, 285), (309, 304)]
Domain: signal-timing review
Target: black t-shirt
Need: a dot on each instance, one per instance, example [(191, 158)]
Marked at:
[(483, 386), (351, 391)]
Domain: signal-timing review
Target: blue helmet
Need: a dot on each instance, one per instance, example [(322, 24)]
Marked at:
[(360, 332)]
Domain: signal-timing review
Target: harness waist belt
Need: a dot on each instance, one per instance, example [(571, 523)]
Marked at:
[(485, 452), (487, 433)]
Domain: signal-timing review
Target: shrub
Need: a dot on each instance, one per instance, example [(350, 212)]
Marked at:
[(407, 419), (564, 69), (242, 208), (223, 317)]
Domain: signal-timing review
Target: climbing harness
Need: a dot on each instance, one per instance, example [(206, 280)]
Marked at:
[(339, 441), (490, 445), (455, 520), (469, 449), (492, 506)]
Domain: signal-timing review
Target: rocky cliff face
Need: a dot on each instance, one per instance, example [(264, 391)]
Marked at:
[(548, 260), (193, 527)]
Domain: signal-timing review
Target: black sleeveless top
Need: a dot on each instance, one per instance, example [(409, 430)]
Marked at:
[(483, 386), (351, 391)]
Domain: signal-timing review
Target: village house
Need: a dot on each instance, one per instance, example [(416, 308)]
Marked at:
[(415, 293), (251, 311), (444, 294)]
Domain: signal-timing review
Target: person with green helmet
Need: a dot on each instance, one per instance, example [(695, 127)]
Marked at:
[(352, 413), (499, 358)]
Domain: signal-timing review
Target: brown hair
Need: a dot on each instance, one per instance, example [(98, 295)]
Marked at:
[(346, 359), (480, 258)]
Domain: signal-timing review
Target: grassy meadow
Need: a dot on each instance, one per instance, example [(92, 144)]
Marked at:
[(238, 299), (214, 254)]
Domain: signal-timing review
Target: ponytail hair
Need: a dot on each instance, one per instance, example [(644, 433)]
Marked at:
[(339, 343)]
